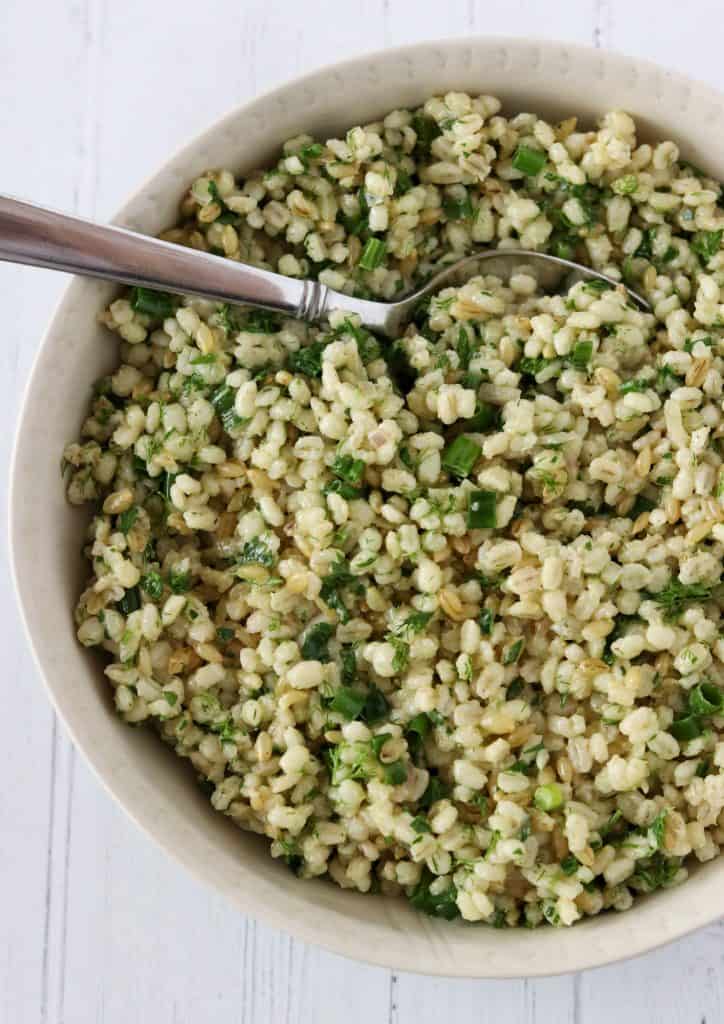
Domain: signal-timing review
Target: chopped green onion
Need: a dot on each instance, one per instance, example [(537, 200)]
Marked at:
[(548, 797), (486, 417), (403, 183), (596, 286), (460, 456), (642, 504), (372, 255), (436, 790), (705, 699), (563, 246), (376, 707), (528, 161), (156, 304), (689, 345), (420, 725), (533, 365), (687, 728), (420, 824), (395, 773), (634, 385), (130, 602), (513, 652), (348, 702), (463, 349), (580, 357), (377, 742), (625, 186), (569, 865), (457, 209), (486, 620), (310, 152), (482, 513), (515, 689), (645, 249)]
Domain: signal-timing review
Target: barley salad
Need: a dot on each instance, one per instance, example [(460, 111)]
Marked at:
[(440, 617)]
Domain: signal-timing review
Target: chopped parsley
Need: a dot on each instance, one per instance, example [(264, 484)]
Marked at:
[(676, 597), (706, 245), (256, 552), (442, 904), (316, 641), (458, 208), (426, 130), (486, 620), (222, 398), (336, 583), (179, 581), (656, 872)]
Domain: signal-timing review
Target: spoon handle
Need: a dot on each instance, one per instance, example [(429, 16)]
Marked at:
[(39, 237)]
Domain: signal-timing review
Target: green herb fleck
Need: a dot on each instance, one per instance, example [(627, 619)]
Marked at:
[(127, 519), (528, 161), (152, 584), (513, 652), (316, 641), (155, 304)]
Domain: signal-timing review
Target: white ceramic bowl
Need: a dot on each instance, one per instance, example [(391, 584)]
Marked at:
[(153, 786)]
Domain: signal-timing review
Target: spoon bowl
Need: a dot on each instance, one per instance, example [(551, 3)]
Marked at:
[(552, 274)]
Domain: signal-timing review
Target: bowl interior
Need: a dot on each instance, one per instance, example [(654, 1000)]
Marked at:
[(555, 80)]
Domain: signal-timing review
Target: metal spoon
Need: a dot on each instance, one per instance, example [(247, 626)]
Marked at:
[(39, 237)]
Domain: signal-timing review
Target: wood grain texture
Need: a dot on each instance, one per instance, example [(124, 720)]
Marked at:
[(95, 924)]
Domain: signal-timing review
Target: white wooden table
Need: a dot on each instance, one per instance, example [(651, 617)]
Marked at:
[(96, 925)]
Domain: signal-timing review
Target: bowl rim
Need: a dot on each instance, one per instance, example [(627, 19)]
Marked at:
[(313, 929)]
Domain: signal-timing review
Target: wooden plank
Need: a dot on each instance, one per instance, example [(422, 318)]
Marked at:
[(42, 158), (681, 983)]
